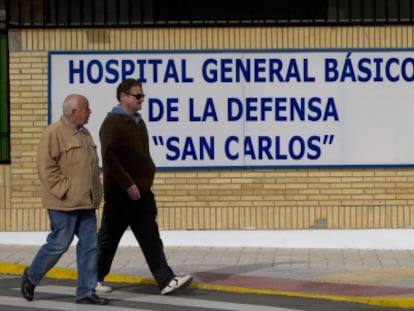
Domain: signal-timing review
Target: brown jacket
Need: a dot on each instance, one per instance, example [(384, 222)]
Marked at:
[(125, 153), (68, 168)]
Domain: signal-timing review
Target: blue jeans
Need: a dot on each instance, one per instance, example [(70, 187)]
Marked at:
[(64, 226)]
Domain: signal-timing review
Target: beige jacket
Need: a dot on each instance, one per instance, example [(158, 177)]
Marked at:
[(68, 168)]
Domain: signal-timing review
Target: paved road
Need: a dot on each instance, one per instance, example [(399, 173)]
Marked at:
[(54, 294), (380, 278)]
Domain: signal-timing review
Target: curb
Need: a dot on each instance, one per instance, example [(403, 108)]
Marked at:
[(65, 273)]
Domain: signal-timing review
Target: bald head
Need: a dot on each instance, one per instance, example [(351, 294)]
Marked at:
[(76, 109), (71, 102)]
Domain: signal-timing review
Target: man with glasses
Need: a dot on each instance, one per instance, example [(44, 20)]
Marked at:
[(128, 174)]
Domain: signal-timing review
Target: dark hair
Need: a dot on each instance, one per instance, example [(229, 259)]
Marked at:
[(126, 85)]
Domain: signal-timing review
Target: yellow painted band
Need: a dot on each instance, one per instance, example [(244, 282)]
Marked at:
[(63, 273)]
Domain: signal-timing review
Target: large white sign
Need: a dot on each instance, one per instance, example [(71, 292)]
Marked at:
[(279, 108)]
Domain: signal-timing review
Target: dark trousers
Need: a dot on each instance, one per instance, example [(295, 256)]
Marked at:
[(120, 212)]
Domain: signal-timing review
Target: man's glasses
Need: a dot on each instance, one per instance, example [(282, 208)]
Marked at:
[(137, 96)]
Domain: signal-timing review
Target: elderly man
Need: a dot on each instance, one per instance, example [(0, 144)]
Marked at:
[(71, 191)]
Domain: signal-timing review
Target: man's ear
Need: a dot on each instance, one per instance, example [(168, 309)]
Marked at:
[(72, 111)]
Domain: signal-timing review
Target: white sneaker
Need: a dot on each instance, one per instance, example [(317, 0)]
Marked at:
[(102, 288), (177, 283)]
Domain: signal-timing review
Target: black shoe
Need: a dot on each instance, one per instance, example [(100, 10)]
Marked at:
[(27, 288), (93, 300)]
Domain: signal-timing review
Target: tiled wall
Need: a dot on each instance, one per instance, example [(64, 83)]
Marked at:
[(208, 199)]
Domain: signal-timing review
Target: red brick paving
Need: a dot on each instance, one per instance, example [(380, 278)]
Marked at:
[(300, 286)]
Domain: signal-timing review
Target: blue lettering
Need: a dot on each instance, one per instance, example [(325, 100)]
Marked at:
[(171, 145), (248, 148), (408, 76), (156, 110), (265, 107), (208, 112), (141, 71), (251, 107), (331, 72), (226, 68), (259, 67), (209, 75), (292, 71), (363, 67), (313, 144), (73, 71), (280, 107), (278, 151), (296, 142), (242, 70), (155, 63), (184, 76), (307, 77), (390, 77), (111, 69), (189, 149), (275, 66), (171, 72), (127, 67), (314, 109), (378, 62), (298, 109), (330, 111), (234, 103), (265, 143), (348, 70), (94, 65), (229, 155)]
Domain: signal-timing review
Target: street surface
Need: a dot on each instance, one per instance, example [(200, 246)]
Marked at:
[(54, 294)]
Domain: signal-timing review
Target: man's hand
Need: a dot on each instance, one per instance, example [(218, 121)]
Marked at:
[(133, 192)]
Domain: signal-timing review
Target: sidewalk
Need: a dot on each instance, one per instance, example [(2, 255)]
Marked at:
[(375, 277)]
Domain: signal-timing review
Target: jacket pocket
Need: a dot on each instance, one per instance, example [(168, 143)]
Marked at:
[(78, 194), (72, 154)]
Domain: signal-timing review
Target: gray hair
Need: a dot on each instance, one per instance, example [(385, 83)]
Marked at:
[(71, 102)]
